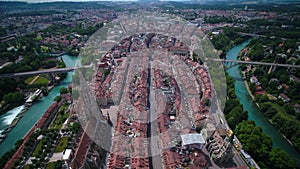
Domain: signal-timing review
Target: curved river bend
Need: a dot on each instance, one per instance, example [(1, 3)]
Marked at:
[(33, 114), (253, 112)]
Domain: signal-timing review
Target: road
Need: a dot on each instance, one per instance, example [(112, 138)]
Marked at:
[(154, 139)]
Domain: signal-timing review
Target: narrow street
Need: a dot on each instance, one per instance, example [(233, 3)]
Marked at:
[(154, 147)]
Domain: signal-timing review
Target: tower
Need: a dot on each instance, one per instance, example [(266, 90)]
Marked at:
[(226, 151), (109, 122)]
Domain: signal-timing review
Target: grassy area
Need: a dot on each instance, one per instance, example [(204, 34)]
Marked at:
[(26, 167), (59, 121), (62, 144), (28, 80), (51, 165), (284, 114), (37, 148), (39, 80), (63, 108), (54, 165)]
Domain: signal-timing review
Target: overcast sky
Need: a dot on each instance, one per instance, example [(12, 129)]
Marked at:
[(35, 1)]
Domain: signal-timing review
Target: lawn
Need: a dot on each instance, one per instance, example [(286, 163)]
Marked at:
[(59, 121), (63, 108), (51, 165), (37, 149), (28, 80), (39, 80), (26, 167), (62, 144), (284, 114), (54, 165)]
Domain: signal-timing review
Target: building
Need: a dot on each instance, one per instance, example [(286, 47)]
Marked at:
[(193, 140), (284, 97)]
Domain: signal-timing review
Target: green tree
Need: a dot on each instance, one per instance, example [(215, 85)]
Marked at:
[(57, 98), (14, 98), (289, 109), (230, 104), (254, 140), (63, 90), (280, 160)]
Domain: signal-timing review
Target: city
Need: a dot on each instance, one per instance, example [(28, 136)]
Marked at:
[(149, 85)]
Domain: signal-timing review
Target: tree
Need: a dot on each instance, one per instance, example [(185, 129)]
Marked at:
[(63, 90), (14, 98), (230, 104), (290, 128), (271, 112), (258, 72), (278, 121), (252, 87), (257, 53), (236, 116), (75, 127), (254, 140), (7, 85), (57, 98), (49, 64), (289, 109), (44, 90), (261, 98), (231, 93), (264, 82), (35, 64), (280, 160), (25, 68)]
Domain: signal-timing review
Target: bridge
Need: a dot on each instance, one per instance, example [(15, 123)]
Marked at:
[(251, 34), (32, 73), (69, 69), (256, 63)]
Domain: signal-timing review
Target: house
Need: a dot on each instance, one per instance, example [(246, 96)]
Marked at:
[(284, 97), (253, 79), (259, 90), (296, 108), (294, 78)]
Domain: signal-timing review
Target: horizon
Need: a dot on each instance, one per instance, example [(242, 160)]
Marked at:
[(42, 1)]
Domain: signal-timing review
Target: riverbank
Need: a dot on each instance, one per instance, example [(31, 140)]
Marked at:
[(35, 112), (253, 99), (42, 123), (250, 93), (254, 113)]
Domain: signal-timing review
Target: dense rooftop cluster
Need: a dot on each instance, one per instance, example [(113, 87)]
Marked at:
[(180, 91)]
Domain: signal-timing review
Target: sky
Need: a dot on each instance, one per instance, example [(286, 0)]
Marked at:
[(36, 1)]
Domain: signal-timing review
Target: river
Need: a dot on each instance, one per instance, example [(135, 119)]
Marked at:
[(253, 112), (33, 114)]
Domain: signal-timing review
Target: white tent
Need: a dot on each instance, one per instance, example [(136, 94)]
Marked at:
[(192, 138), (67, 154)]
